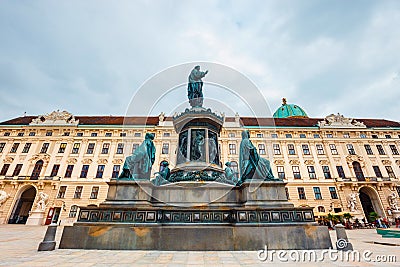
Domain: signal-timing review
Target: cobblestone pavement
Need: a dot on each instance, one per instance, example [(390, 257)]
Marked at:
[(18, 247)]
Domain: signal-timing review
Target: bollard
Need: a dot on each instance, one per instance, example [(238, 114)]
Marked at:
[(49, 242), (342, 242)]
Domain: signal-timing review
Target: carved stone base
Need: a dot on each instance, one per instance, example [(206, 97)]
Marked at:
[(35, 218)]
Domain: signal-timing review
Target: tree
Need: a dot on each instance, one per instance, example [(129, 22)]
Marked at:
[(373, 216)]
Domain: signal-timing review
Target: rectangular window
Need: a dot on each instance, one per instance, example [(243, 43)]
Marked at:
[(306, 149), (134, 147), (137, 135), (84, 171), (49, 133), (75, 148), (90, 148), (115, 172), (320, 149), (302, 194), (26, 148), (377, 171), (2, 145), (61, 192), (66, 134), (311, 172), (388, 136), (94, 193), (32, 133), (329, 135), (165, 148), (317, 193), (363, 136), (232, 149), (287, 193), (291, 149), (316, 136), (120, 148), (14, 148), (288, 135), (277, 149), (380, 150), (21, 134), (374, 136), (93, 134), (73, 211), (390, 171), (122, 134), (78, 192), (302, 135), (340, 171), (106, 147), (17, 170), (259, 135), (4, 169), (333, 149), (166, 134), (261, 149), (7, 134), (296, 172), (351, 150), (100, 171), (79, 134), (55, 169), (274, 135), (45, 146), (346, 135), (327, 173), (68, 172), (108, 134), (62, 147), (368, 150), (332, 190), (281, 172), (394, 149)]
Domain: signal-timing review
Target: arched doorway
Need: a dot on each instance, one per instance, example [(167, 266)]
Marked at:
[(36, 170), (370, 202), (23, 206), (358, 171)]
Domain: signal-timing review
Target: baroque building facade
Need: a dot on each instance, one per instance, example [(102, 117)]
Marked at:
[(334, 164)]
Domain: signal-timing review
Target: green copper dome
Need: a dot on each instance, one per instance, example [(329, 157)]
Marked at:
[(289, 110)]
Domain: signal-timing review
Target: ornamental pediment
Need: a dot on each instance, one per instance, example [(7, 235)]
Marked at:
[(339, 121), (56, 118)]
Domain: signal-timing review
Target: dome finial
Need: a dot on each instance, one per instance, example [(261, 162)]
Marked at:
[(284, 101)]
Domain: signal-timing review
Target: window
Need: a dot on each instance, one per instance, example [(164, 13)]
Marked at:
[(32, 134), (281, 172), (2, 145), (108, 134), (79, 134), (66, 134), (100, 171), (363, 136), (20, 134), (68, 172), (259, 135), (94, 193), (235, 168), (73, 211), (90, 148), (261, 149), (320, 149), (332, 190), (61, 192), (122, 134), (329, 135), (120, 148), (277, 149), (4, 169), (302, 194), (291, 149), (49, 133), (302, 135), (78, 192), (62, 147), (84, 171), (288, 135), (134, 147), (44, 148), (368, 150), (7, 134), (93, 134), (232, 135), (55, 169), (306, 149), (340, 172), (26, 148), (14, 148), (137, 135), (274, 135), (169, 134), (165, 148), (115, 172), (388, 136), (17, 170), (316, 136), (333, 149), (351, 150), (346, 135), (106, 147), (390, 171), (232, 149), (321, 209), (75, 148), (374, 136), (380, 150), (296, 172), (317, 193), (394, 149), (287, 193), (327, 173), (377, 171), (311, 172)]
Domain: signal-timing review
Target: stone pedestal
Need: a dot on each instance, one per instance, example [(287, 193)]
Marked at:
[(35, 218)]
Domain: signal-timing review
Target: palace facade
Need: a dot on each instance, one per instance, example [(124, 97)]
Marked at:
[(326, 162)]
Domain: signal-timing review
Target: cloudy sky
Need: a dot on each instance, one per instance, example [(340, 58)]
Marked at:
[(90, 57)]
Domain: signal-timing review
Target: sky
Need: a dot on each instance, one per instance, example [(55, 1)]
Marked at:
[(91, 57)]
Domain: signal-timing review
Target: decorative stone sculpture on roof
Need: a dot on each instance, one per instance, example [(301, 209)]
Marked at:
[(392, 199), (339, 121), (55, 118)]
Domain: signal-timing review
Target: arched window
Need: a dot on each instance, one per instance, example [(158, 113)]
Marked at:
[(358, 171), (321, 209), (73, 211), (36, 170)]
